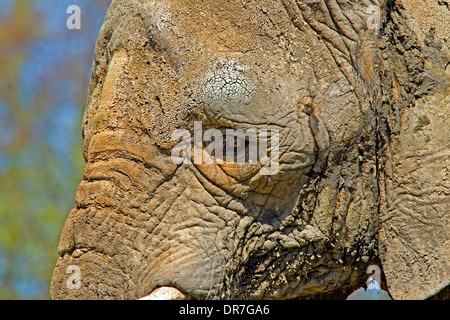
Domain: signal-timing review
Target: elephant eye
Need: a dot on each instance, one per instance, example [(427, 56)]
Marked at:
[(236, 145), (233, 146), (230, 145)]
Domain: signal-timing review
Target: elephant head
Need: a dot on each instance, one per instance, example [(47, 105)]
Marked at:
[(350, 101)]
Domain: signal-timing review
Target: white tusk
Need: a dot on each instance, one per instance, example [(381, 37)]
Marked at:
[(165, 293)]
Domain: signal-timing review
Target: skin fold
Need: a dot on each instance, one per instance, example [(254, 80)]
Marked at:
[(343, 197)]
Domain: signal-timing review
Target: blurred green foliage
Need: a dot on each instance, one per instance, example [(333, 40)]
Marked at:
[(44, 74)]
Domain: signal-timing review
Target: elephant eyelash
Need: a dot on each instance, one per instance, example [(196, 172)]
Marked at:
[(235, 144), (231, 145)]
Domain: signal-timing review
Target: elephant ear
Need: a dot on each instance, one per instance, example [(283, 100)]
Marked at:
[(414, 236)]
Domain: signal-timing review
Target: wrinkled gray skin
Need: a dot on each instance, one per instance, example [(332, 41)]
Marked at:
[(353, 105)]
